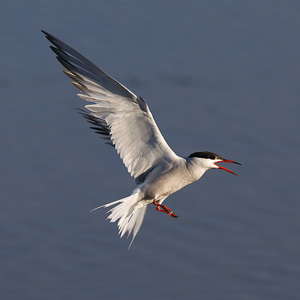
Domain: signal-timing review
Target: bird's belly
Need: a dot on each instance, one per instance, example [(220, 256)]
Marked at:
[(165, 185)]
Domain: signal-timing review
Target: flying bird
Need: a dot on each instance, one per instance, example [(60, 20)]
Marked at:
[(125, 122)]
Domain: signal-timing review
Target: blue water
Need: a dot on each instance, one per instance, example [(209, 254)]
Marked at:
[(221, 76)]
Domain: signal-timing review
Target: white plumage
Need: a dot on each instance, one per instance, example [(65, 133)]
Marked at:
[(125, 121)]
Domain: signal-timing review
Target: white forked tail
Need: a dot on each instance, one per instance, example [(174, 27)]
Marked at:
[(131, 212)]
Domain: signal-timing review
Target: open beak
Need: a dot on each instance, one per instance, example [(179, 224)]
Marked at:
[(227, 161)]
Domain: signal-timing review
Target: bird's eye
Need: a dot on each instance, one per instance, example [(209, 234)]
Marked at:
[(212, 157)]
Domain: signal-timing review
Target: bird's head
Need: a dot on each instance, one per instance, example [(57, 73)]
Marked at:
[(209, 160)]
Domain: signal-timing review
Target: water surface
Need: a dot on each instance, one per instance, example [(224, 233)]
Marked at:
[(221, 76)]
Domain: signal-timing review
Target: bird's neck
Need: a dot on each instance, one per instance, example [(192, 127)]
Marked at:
[(195, 167)]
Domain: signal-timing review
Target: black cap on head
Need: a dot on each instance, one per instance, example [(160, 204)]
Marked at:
[(206, 154)]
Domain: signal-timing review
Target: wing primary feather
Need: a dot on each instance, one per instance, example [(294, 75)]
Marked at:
[(100, 125), (75, 62)]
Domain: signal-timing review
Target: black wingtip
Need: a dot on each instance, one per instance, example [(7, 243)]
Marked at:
[(47, 35)]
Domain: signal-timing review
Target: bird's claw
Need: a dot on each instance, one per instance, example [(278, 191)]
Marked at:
[(174, 216), (165, 209)]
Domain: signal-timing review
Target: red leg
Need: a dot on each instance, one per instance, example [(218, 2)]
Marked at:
[(164, 208)]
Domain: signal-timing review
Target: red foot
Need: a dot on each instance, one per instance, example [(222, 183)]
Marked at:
[(164, 208)]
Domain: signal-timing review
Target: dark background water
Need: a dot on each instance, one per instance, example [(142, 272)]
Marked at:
[(221, 76)]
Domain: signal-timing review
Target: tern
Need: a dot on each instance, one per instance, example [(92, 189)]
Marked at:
[(125, 121)]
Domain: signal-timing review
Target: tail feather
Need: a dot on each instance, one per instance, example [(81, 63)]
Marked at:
[(130, 211), (138, 222)]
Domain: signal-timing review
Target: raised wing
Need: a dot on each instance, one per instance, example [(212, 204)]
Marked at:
[(117, 113)]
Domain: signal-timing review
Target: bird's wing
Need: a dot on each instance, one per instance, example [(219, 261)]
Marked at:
[(118, 114)]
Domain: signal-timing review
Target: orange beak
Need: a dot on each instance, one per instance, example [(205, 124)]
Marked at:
[(228, 161)]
